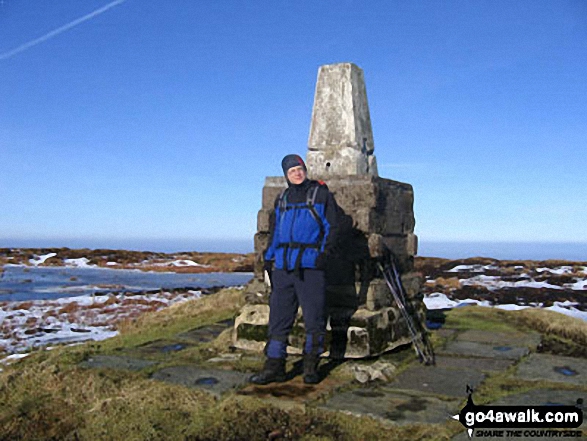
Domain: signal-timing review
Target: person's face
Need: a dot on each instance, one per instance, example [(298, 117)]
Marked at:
[(296, 175)]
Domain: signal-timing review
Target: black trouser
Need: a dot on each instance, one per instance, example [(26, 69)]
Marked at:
[(308, 290)]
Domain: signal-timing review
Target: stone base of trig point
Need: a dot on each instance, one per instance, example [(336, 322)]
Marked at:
[(368, 333)]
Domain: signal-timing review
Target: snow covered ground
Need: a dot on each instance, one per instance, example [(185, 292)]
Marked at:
[(562, 289), (31, 324), (43, 306)]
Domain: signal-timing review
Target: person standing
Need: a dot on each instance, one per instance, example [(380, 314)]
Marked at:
[(303, 235)]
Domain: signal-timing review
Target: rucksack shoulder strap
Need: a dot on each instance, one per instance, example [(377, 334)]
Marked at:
[(282, 201), (311, 195)]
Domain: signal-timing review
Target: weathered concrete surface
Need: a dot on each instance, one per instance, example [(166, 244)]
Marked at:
[(161, 347), (553, 368), (392, 406), (451, 382), (531, 339), (206, 334), (474, 349), (477, 364), (116, 362), (215, 381), (341, 137)]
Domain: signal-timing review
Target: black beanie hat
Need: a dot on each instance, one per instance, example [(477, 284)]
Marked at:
[(290, 161)]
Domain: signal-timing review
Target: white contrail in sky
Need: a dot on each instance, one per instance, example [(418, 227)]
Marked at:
[(54, 33)]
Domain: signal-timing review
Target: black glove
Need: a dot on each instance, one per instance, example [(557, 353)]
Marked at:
[(321, 261), (268, 266)]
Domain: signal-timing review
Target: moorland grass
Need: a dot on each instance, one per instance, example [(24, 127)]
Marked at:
[(48, 396)]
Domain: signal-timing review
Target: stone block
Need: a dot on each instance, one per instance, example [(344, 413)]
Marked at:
[(378, 295), (402, 245), (263, 220), (256, 292), (274, 185), (261, 241)]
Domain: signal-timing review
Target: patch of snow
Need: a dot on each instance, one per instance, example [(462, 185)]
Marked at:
[(72, 320), (438, 300), (472, 268), (495, 282), (579, 285), (13, 357), (82, 262), (512, 307), (186, 262), (111, 263), (569, 310), (39, 260), (558, 270), (441, 301)]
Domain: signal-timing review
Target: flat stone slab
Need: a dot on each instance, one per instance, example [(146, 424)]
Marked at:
[(393, 406), (554, 368), (206, 334), (438, 380), (544, 397), (536, 397), (501, 338), (162, 347), (478, 364), (215, 381), (474, 349), (116, 362)]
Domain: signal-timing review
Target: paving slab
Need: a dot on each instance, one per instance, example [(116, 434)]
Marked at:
[(554, 368), (536, 397), (474, 349), (215, 381), (393, 406), (479, 364), (528, 339), (438, 380), (162, 347), (206, 334), (116, 362)]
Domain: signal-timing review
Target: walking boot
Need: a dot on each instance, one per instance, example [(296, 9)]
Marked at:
[(273, 372), (311, 362)]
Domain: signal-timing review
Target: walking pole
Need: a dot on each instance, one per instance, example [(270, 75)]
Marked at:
[(420, 341)]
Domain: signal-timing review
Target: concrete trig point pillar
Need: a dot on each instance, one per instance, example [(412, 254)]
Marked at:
[(363, 318), (341, 137)]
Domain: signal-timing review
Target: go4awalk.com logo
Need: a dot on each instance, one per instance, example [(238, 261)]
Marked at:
[(521, 421)]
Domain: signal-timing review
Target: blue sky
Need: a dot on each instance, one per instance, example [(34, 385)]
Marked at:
[(158, 121)]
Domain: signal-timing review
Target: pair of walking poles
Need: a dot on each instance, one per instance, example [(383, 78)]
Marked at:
[(418, 333)]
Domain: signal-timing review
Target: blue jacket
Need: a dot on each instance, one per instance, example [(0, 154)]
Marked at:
[(298, 236)]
